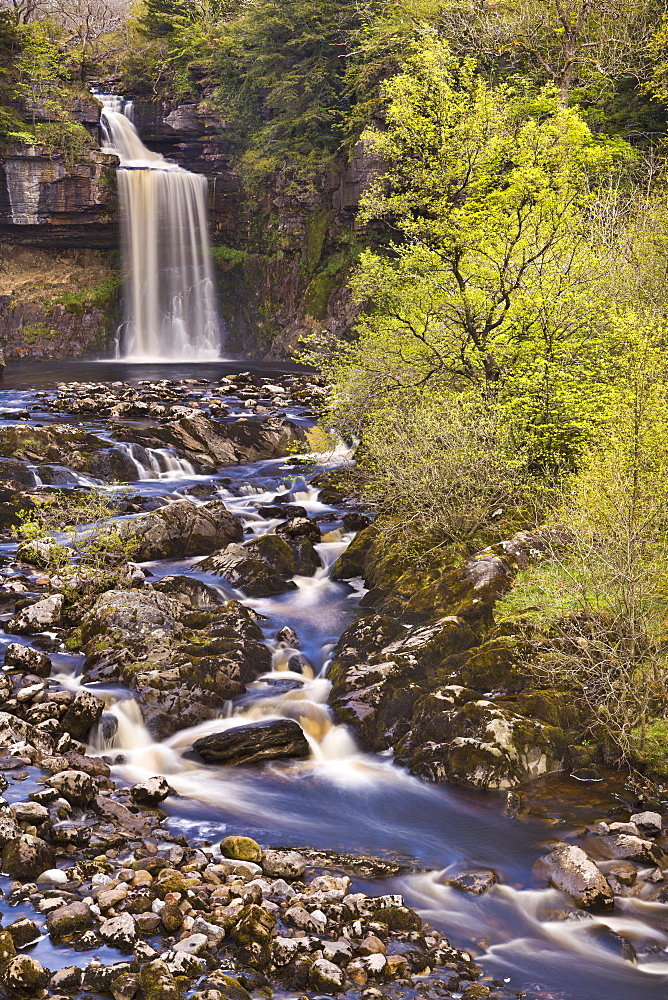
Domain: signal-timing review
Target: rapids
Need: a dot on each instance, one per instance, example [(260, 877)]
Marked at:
[(344, 800)]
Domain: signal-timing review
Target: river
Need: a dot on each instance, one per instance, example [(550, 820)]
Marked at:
[(342, 799)]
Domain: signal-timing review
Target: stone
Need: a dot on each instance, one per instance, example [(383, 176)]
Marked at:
[(157, 982), (53, 876), (24, 931), (82, 714), (75, 786), (650, 823), (69, 920), (151, 792), (24, 976), (38, 617), (283, 864), (325, 977), (254, 743), (125, 986), (26, 857), (226, 987), (9, 827), (181, 529), (573, 872), (27, 660), (626, 847), (244, 569), (241, 849), (191, 945), (119, 932), (191, 592), (67, 980), (475, 881)]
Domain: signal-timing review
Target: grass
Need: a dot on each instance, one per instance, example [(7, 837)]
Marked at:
[(544, 592)]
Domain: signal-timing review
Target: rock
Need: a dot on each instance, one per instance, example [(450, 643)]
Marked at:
[(24, 976), (283, 864), (9, 827), (474, 881), (82, 714), (573, 872), (325, 977), (67, 980), (119, 932), (191, 945), (69, 920), (14, 730), (650, 823), (247, 571), (226, 987), (27, 660), (26, 857), (182, 529), (254, 743), (125, 986), (626, 847), (38, 617), (53, 876), (75, 786), (157, 982), (241, 849), (288, 637), (190, 592), (151, 792), (24, 931)]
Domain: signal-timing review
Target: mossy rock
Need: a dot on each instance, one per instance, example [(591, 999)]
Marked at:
[(229, 988), (398, 918), (241, 849), (557, 708), (157, 982)]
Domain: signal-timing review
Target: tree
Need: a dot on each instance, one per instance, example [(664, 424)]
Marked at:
[(568, 42), (86, 20)]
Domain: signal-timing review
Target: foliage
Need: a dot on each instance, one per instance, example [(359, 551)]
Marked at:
[(72, 534)]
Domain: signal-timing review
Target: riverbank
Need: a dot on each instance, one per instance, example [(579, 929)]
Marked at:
[(207, 665)]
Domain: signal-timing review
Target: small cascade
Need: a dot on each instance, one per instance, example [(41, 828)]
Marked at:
[(157, 463), (170, 304)]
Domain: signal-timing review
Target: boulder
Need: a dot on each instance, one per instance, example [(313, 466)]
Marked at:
[(254, 743), (283, 864), (247, 571), (82, 714), (119, 932), (14, 730), (649, 823), (573, 872), (475, 881), (151, 792), (191, 592), (26, 857), (27, 660), (624, 846), (69, 920), (75, 786), (9, 827), (38, 617), (241, 849), (157, 982), (24, 976), (182, 529), (325, 977)]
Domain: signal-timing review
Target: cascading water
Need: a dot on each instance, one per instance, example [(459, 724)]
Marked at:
[(170, 305)]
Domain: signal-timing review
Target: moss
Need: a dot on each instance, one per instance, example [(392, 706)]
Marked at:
[(316, 231), (228, 257), (31, 333), (653, 747)]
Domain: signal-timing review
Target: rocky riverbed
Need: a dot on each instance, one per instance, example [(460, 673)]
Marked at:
[(183, 816)]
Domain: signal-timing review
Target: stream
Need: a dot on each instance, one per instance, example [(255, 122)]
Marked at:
[(342, 799)]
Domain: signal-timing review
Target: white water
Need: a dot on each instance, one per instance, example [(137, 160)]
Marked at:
[(170, 303), (157, 463)]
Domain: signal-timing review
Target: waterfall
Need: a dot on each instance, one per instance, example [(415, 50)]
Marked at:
[(170, 306)]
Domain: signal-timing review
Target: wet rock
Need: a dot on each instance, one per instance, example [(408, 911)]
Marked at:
[(244, 569), (189, 591), (82, 714), (624, 846), (67, 980), (24, 976), (157, 982), (38, 617), (27, 660), (254, 743), (649, 823), (26, 857), (9, 827), (74, 832), (573, 872), (611, 941), (119, 932), (24, 931), (283, 864), (182, 529), (288, 637), (325, 977), (151, 792), (14, 730), (75, 786), (475, 881), (69, 920), (241, 849), (300, 527)]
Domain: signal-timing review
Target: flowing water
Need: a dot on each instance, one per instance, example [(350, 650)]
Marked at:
[(170, 301), (345, 800)]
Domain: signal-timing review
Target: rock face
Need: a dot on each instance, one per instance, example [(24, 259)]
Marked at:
[(253, 744), (572, 871)]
